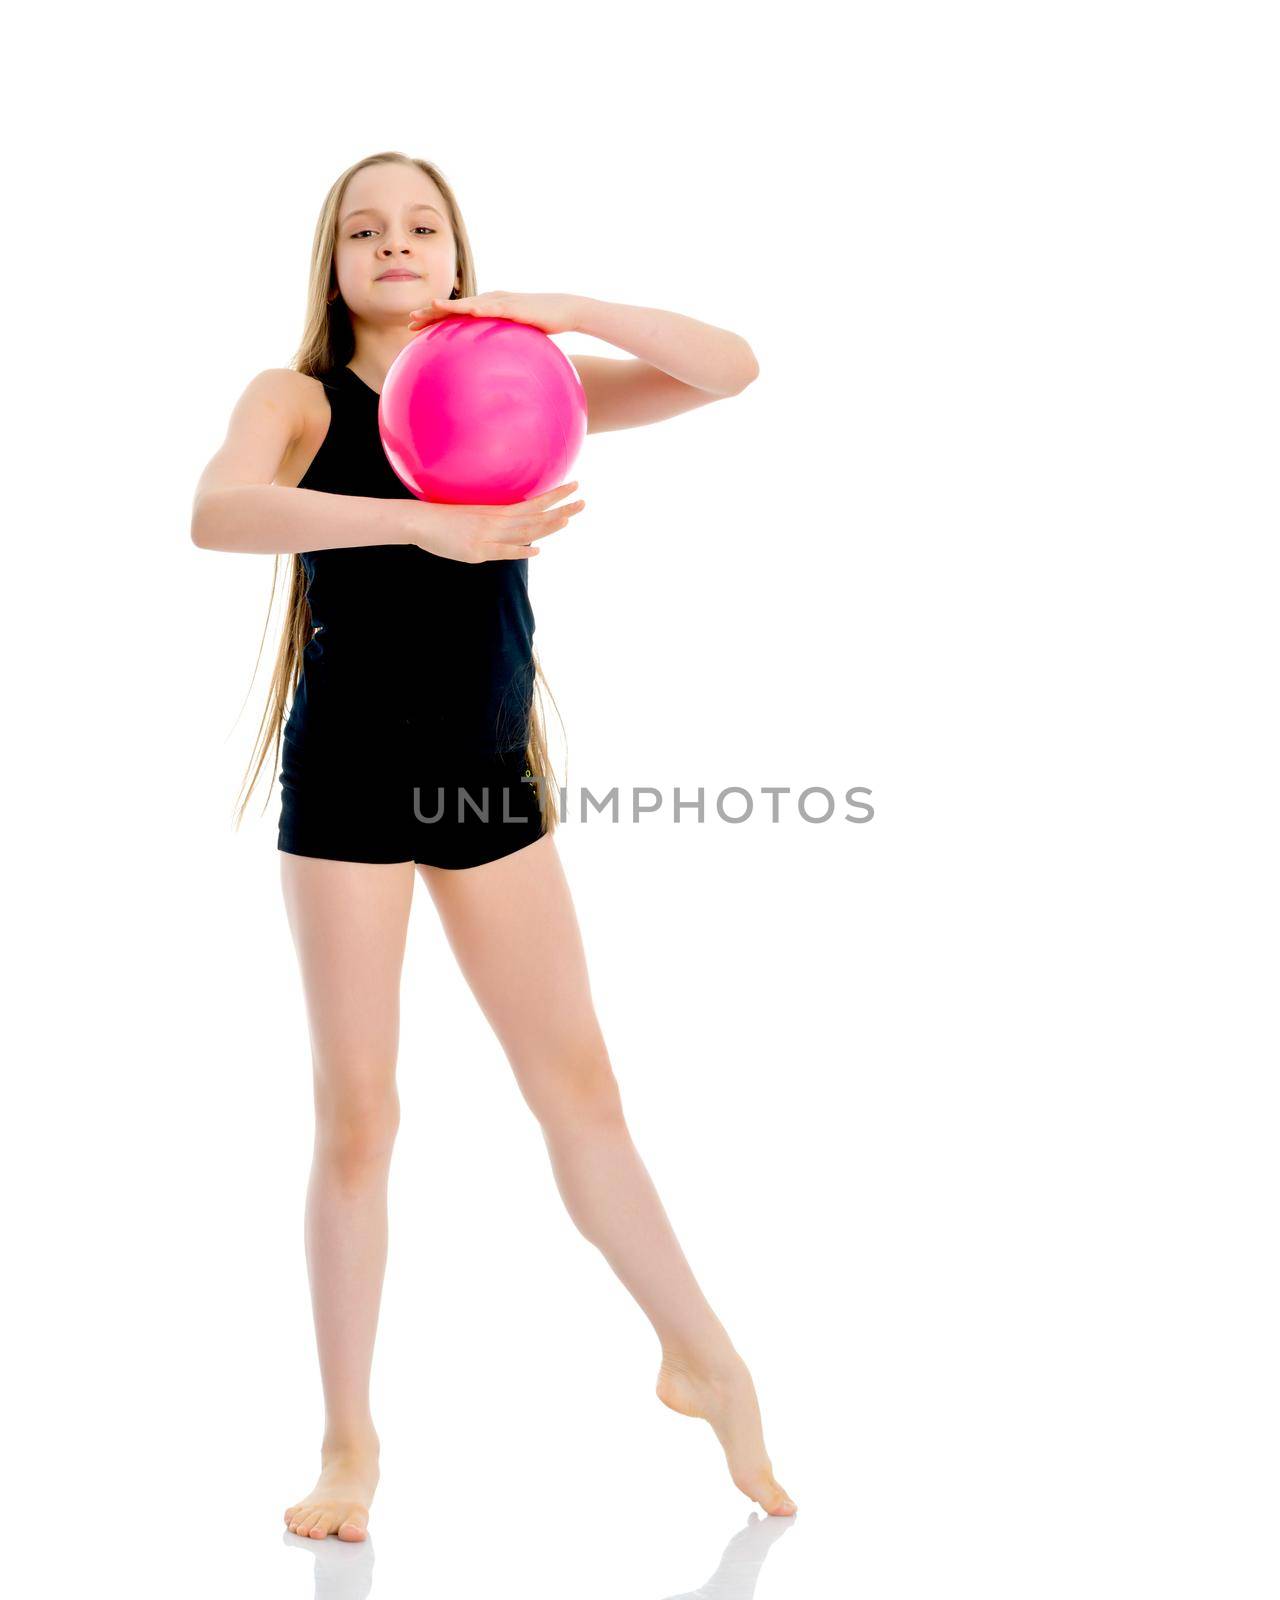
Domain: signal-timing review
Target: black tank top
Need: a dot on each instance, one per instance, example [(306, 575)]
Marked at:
[(405, 644)]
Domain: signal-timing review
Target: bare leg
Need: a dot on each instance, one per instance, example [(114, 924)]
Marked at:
[(512, 926), (349, 921)]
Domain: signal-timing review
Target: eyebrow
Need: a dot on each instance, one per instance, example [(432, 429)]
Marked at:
[(370, 211)]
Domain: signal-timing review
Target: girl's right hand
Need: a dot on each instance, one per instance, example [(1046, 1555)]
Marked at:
[(489, 533)]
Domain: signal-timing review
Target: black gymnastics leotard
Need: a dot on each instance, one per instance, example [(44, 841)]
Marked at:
[(411, 716)]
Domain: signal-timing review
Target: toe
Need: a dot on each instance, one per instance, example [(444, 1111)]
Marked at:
[(778, 1503), (354, 1526), (767, 1492)]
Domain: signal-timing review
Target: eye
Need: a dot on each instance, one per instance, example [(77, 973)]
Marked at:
[(422, 228)]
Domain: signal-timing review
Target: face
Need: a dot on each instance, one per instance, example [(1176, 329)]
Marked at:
[(393, 219)]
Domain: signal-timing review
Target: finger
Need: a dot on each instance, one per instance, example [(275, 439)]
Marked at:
[(557, 517), (522, 538), (538, 527), (549, 496), (512, 552), (522, 508), (523, 541)]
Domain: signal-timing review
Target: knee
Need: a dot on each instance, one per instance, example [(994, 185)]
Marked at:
[(574, 1090), (356, 1128)]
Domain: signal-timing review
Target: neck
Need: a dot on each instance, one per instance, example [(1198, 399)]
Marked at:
[(376, 349)]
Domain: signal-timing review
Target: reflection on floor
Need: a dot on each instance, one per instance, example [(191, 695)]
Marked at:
[(344, 1570)]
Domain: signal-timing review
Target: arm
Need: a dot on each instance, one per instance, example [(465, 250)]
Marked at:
[(268, 519), (682, 364), (238, 507), (678, 363), (708, 358)]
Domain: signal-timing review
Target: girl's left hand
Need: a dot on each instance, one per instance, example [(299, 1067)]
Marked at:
[(553, 313)]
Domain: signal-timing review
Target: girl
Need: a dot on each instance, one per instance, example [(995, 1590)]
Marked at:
[(407, 655)]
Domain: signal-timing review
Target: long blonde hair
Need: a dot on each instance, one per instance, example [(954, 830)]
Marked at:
[(328, 341)]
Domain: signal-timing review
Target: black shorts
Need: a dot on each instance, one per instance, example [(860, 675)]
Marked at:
[(445, 810)]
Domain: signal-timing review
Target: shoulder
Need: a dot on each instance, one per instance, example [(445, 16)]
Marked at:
[(300, 398)]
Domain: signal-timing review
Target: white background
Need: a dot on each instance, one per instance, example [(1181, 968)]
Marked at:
[(965, 1116)]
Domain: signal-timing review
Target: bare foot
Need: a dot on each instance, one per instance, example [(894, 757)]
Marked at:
[(340, 1501), (726, 1398)]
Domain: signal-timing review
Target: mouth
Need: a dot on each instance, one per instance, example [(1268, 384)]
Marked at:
[(395, 277)]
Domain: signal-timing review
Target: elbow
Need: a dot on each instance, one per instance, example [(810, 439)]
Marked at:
[(750, 371), (202, 534), (198, 518)]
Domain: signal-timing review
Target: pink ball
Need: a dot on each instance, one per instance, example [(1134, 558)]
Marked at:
[(481, 411)]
